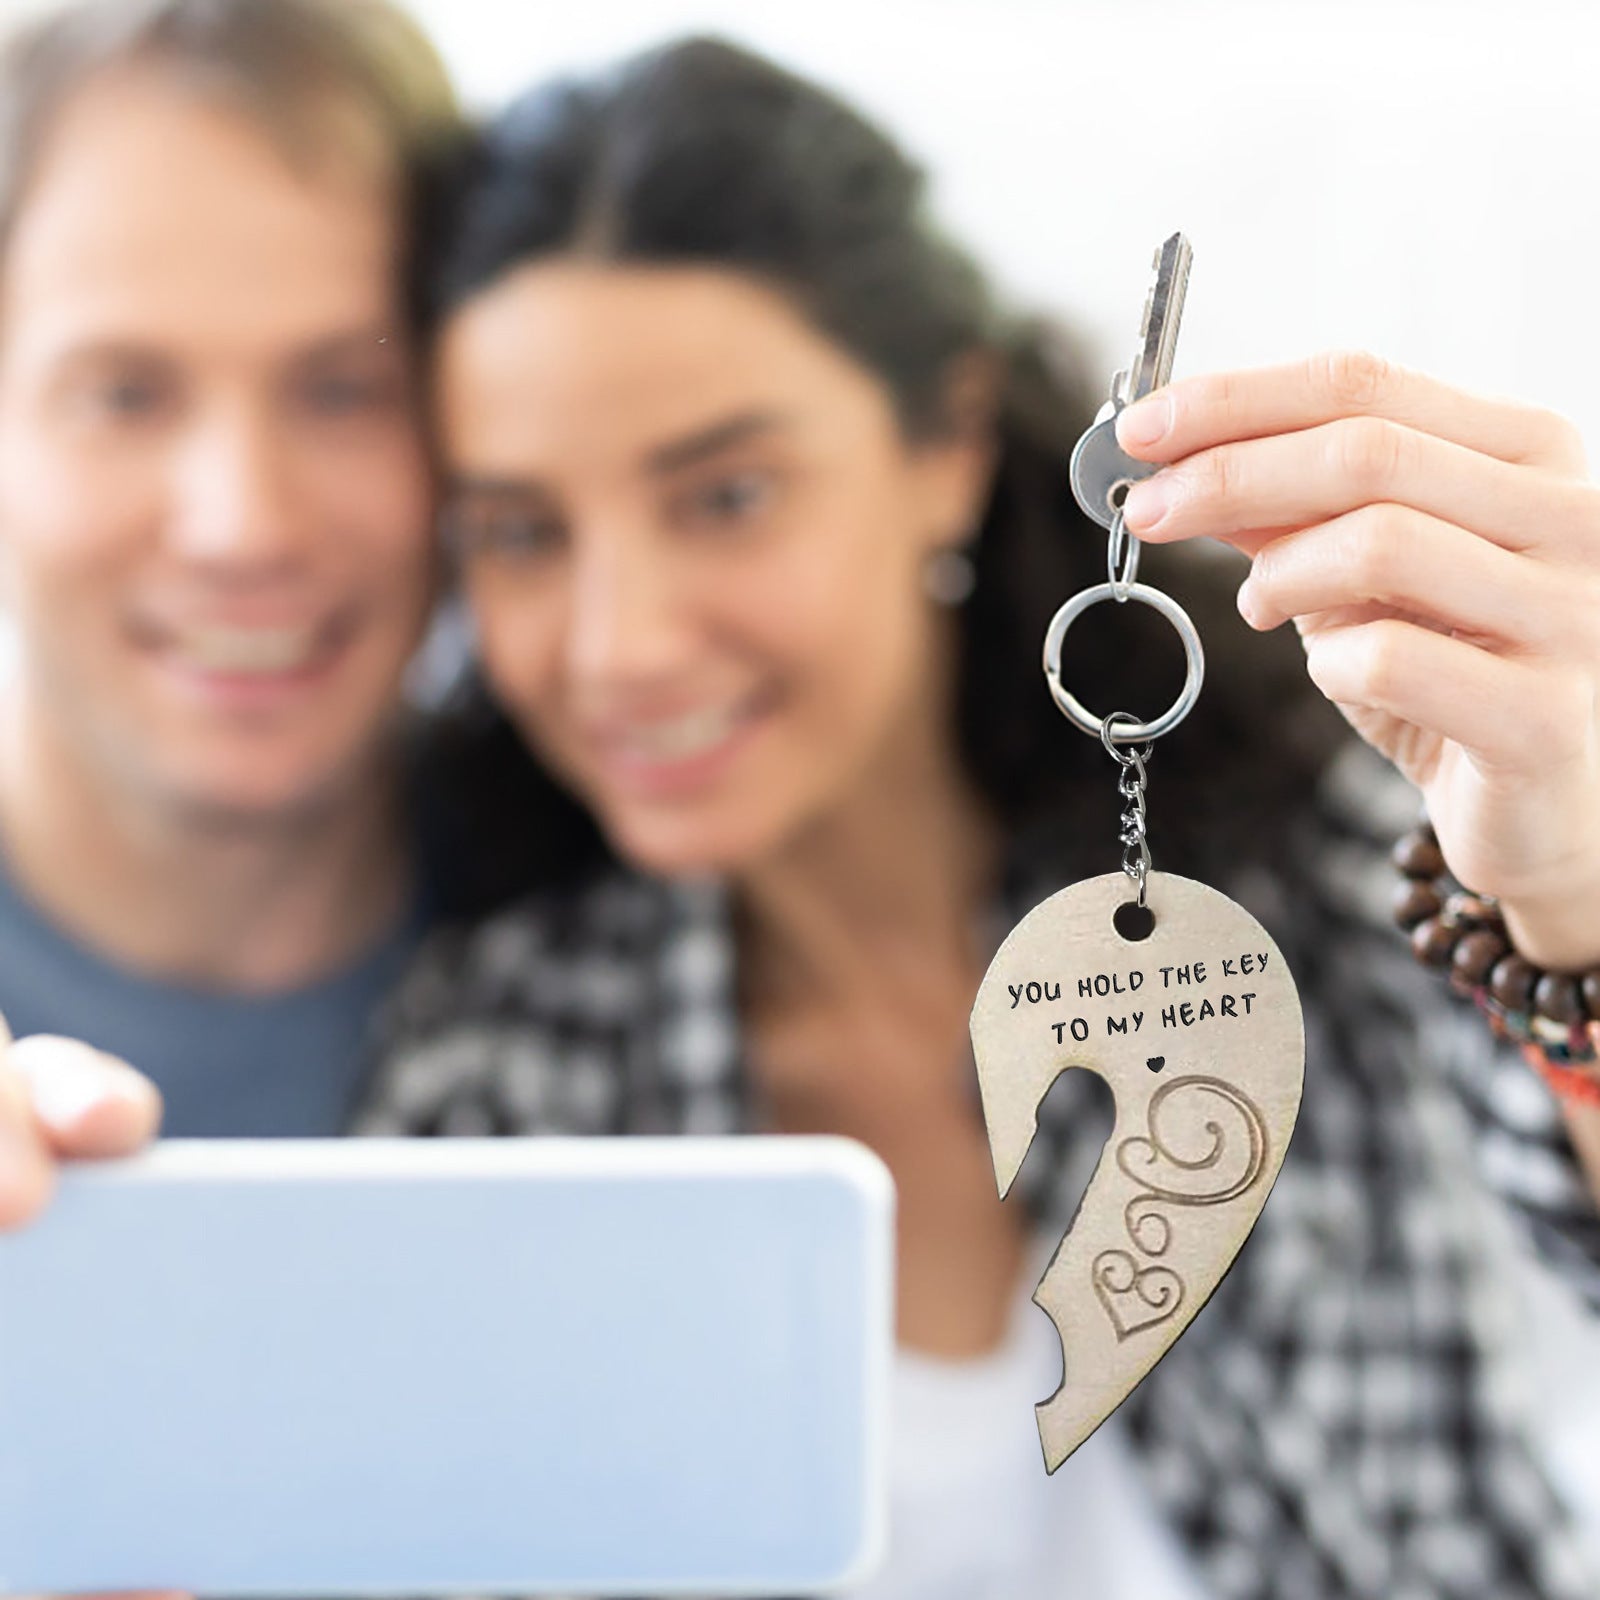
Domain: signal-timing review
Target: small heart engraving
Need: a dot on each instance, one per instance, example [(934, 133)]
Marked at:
[(1156, 1063), (1153, 1294)]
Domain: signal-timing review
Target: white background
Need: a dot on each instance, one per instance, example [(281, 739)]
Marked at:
[(1414, 178), (1418, 179)]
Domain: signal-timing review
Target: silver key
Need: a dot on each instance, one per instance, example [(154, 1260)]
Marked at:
[(1158, 330), (1101, 473)]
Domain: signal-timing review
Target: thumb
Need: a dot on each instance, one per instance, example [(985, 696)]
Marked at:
[(87, 1104)]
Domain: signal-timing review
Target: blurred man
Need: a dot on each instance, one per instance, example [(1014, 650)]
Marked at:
[(214, 546)]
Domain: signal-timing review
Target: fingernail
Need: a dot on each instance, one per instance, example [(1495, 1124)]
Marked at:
[(1148, 502), (1145, 422), (72, 1083)]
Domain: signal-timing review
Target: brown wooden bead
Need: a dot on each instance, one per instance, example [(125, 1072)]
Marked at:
[(1432, 941), (1475, 954), (1556, 998), (1466, 933), (1511, 982), (1467, 910), (1417, 854), (1415, 900), (1591, 993)]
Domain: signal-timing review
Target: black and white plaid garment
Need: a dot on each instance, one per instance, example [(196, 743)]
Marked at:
[(1337, 1422)]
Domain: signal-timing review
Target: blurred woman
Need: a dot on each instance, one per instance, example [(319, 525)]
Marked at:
[(762, 509)]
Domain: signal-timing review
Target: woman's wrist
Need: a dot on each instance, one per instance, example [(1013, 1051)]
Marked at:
[(1562, 937), (1551, 1011)]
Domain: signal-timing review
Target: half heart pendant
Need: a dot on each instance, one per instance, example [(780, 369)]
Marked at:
[(1202, 1042)]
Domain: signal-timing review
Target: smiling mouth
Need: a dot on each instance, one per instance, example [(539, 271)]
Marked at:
[(247, 650), (680, 741), (233, 651), (679, 738)]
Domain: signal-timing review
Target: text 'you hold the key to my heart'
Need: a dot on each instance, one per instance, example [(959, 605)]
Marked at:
[(1174, 999)]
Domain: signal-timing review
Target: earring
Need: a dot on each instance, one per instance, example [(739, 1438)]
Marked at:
[(949, 576)]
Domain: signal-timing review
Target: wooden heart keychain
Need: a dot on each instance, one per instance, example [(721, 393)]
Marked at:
[(1176, 997)]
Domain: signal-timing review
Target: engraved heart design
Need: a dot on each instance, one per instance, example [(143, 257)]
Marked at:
[(1191, 1158), (1155, 1287)]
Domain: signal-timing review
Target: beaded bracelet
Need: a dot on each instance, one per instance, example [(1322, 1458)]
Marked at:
[(1553, 1016)]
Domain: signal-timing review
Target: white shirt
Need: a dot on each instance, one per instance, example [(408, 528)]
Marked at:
[(973, 1514)]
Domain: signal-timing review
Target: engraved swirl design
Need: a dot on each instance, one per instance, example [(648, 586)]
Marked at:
[(1230, 1158)]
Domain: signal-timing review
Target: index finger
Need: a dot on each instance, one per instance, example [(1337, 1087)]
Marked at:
[(1221, 408)]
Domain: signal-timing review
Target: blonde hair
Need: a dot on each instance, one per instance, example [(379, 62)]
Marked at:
[(323, 79)]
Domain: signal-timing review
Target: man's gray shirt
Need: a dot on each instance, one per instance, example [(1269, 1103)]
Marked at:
[(229, 1066)]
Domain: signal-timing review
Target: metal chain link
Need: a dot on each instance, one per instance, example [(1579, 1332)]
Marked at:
[(1131, 786)]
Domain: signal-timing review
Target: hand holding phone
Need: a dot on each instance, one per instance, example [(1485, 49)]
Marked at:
[(364, 1366), (63, 1100)]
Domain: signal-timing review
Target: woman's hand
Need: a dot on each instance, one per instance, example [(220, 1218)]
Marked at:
[(1439, 554)]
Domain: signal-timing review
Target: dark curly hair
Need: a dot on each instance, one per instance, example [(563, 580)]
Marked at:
[(703, 152)]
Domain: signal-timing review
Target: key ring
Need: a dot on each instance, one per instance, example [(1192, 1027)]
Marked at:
[(1074, 709), (1122, 558)]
